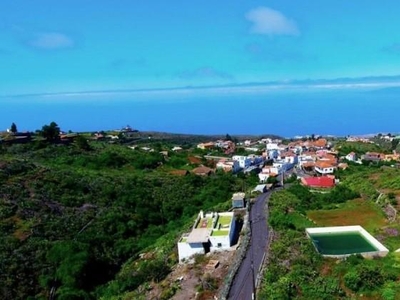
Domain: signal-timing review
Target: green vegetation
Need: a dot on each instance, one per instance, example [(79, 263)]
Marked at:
[(92, 220), (51, 132), (224, 220), (219, 233), (359, 148), (296, 271), (13, 128), (354, 212)]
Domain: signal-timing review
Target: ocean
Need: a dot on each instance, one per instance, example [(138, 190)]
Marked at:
[(282, 112)]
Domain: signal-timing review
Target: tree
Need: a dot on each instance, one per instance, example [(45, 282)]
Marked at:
[(13, 128), (272, 180), (82, 143), (228, 137), (51, 132)]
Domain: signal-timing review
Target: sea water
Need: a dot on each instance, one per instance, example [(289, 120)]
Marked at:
[(284, 113)]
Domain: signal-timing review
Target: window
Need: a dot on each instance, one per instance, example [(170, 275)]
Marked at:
[(219, 245)]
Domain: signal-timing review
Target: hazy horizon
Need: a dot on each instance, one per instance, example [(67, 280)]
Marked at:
[(282, 112)]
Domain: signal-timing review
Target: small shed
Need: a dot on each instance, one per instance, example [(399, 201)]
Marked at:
[(261, 188), (238, 200)]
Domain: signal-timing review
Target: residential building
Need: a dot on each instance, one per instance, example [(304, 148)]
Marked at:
[(324, 167), (269, 171), (373, 156), (256, 159), (239, 200), (392, 157), (351, 156), (177, 149), (228, 165), (247, 142), (272, 146), (205, 146), (319, 182), (202, 171), (261, 188), (210, 232), (244, 161), (273, 154)]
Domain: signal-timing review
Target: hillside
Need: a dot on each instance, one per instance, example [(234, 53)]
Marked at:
[(73, 222)]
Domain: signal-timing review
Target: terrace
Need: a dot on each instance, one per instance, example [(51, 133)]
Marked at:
[(224, 221), (206, 222)]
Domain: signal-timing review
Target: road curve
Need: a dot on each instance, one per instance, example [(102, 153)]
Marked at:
[(243, 283)]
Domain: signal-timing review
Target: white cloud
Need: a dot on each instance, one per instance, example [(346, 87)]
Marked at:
[(52, 41), (271, 22)]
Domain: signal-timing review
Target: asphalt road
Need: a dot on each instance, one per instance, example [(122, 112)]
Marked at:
[(243, 283)]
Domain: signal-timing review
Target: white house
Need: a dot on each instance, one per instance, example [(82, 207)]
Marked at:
[(176, 148), (292, 159), (324, 167), (244, 161), (238, 200), (210, 232), (268, 171), (351, 156), (252, 149), (228, 165), (273, 154), (256, 159), (282, 165), (272, 146)]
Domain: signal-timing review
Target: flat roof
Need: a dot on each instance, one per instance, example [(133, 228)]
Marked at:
[(198, 235)]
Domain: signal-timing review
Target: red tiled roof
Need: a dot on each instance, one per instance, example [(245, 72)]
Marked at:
[(202, 170), (194, 160), (324, 164), (309, 164), (180, 172), (322, 182), (320, 143)]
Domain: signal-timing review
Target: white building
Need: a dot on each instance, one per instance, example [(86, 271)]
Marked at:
[(244, 161), (351, 156), (273, 154), (256, 159), (272, 146), (268, 171), (324, 167), (229, 166), (210, 232), (282, 165), (238, 200)]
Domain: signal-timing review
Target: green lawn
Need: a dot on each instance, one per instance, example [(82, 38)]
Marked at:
[(219, 232), (224, 220), (354, 212)]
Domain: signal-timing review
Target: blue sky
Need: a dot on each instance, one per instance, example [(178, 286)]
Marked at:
[(52, 46), (80, 63)]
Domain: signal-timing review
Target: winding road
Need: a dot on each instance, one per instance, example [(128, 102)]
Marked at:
[(245, 280)]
